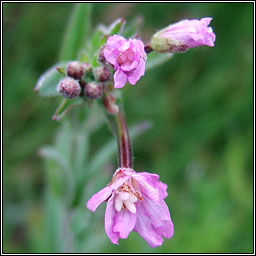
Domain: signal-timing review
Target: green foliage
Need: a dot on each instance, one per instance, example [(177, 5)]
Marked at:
[(47, 83), (77, 32), (65, 106), (200, 105), (156, 59)]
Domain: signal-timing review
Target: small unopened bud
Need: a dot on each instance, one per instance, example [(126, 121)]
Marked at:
[(110, 105), (75, 69), (101, 57), (87, 67), (69, 88), (93, 90), (102, 74)]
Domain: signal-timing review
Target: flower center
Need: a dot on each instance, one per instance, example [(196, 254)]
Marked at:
[(126, 198), (126, 58)]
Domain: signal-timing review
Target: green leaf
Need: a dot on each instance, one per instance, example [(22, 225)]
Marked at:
[(65, 106), (55, 217), (48, 81), (84, 57), (155, 59), (116, 27), (133, 27), (81, 153), (52, 153), (98, 39), (95, 40), (77, 31)]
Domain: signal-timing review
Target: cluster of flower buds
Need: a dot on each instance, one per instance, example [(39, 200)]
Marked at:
[(78, 81)]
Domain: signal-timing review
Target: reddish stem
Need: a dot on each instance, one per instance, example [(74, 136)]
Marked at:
[(124, 144)]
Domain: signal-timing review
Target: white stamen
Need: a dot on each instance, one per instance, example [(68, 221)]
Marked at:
[(118, 204), (130, 206), (132, 198), (124, 195)]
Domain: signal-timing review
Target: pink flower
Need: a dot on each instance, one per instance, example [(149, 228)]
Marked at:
[(193, 33), (127, 57), (183, 35), (135, 201)]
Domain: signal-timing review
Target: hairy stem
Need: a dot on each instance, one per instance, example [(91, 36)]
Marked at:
[(124, 143)]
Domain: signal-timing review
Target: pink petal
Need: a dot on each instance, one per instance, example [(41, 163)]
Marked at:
[(159, 215), (145, 228), (131, 44), (115, 41), (206, 21), (139, 71), (119, 181), (120, 79), (139, 47), (125, 222), (98, 198), (124, 46), (153, 180), (147, 189), (104, 193), (131, 66), (150, 186), (111, 55), (110, 216)]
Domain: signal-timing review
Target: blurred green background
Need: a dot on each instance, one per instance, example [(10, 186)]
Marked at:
[(200, 105)]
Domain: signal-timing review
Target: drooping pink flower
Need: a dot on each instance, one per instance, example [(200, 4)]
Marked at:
[(135, 201), (193, 33), (127, 57)]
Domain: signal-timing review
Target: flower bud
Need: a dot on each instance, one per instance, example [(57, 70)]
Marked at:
[(76, 69), (102, 74), (87, 67), (109, 103), (182, 35), (69, 88), (101, 57), (93, 90)]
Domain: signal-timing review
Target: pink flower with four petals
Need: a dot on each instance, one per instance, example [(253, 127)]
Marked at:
[(135, 201), (127, 57)]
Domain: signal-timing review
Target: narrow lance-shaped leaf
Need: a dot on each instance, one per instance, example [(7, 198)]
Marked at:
[(116, 27), (155, 59), (133, 27), (77, 31), (48, 81), (65, 106)]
